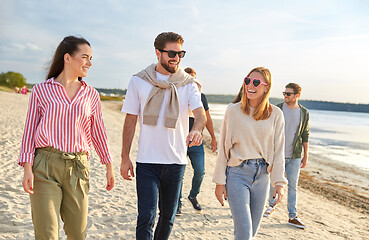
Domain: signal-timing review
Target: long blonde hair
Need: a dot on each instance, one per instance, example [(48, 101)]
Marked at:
[(264, 110)]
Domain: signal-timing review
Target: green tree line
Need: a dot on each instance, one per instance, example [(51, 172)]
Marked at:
[(12, 79)]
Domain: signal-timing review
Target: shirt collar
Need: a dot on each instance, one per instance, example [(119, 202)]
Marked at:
[(52, 81)]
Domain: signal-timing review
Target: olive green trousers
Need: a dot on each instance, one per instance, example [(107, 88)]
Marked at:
[(61, 185)]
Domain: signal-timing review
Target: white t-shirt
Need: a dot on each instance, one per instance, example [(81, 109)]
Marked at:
[(158, 144)]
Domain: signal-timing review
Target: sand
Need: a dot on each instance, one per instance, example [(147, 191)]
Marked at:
[(333, 198)]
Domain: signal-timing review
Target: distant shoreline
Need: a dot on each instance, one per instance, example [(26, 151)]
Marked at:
[(309, 104), (225, 99)]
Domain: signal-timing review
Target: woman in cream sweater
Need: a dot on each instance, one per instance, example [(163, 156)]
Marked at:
[(251, 148)]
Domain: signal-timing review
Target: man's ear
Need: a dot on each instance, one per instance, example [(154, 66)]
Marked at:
[(157, 52)]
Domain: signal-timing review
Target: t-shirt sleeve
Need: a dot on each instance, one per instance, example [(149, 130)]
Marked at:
[(194, 97), (131, 104), (204, 101)]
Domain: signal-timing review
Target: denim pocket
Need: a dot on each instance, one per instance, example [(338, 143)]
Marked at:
[(245, 168), (242, 164), (243, 174)]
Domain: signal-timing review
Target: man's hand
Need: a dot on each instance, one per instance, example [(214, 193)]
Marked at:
[(304, 162), (213, 144), (126, 169), (129, 127), (194, 138), (210, 127)]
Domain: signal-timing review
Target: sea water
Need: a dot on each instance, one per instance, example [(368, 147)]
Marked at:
[(334, 135)]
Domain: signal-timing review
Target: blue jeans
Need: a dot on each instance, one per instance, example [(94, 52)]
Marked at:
[(247, 188), (153, 182), (292, 167), (197, 158)]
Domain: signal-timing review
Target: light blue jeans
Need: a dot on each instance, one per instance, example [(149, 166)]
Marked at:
[(247, 188), (292, 167)]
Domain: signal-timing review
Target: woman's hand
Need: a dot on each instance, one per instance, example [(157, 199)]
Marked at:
[(27, 182), (278, 192), (110, 180), (220, 190)]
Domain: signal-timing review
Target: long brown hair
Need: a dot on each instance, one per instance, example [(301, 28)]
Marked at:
[(69, 45), (264, 110), (239, 95)]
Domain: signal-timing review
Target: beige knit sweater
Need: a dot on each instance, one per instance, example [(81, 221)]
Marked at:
[(156, 96), (242, 138)]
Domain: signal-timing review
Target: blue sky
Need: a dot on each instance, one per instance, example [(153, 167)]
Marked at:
[(322, 45)]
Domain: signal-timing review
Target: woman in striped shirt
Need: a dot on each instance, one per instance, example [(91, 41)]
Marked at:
[(64, 118)]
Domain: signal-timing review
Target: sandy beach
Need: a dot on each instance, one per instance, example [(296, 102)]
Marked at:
[(333, 198)]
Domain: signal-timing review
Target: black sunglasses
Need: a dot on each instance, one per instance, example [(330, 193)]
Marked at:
[(172, 54), (288, 93)]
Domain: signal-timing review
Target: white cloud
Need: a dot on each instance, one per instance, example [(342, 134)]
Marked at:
[(25, 46)]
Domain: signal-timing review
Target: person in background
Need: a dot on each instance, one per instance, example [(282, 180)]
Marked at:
[(297, 138), (16, 89), (160, 95), (197, 154), (63, 120), (24, 90), (251, 147)]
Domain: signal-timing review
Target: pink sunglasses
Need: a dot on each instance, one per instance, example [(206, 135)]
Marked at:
[(256, 82)]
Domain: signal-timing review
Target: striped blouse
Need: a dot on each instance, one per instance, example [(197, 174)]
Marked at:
[(53, 120)]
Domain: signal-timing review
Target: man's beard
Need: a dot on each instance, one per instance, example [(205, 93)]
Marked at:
[(169, 69)]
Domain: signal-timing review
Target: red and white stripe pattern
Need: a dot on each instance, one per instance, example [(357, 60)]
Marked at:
[(53, 120)]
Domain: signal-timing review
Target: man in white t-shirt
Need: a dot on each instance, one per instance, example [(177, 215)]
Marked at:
[(160, 97)]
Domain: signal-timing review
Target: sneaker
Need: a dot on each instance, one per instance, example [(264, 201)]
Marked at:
[(179, 211), (269, 212), (195, 203), (296, 222)]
